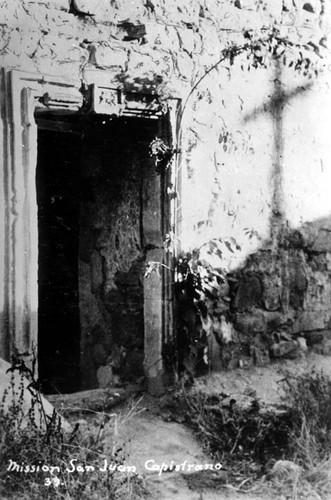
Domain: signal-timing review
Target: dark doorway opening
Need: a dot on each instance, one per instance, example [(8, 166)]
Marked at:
[(58, 198), (101, 209)]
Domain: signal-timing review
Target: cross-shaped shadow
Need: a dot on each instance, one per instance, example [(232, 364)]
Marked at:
[(275, 106)]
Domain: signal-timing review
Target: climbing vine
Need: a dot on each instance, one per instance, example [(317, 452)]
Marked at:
[(162, 153), (263, 47), (200, 287)]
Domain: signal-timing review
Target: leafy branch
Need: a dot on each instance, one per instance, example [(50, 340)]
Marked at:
[(162, 153), (195, 277), (154, 266)]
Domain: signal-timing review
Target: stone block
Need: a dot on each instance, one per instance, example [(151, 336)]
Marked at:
[(223, 330), (302, 344), (298, 278), (233, 363), (326, 347), (313, 338), (230, 355), (296, 300), (316, 235), (321, 262), (247, 324), (286, 470), (327, 332), (249, 293), (259, 321), (285, 349), (322, 242), (245, 362), (311, 320), (271, 296), (105, 56), (105, 376), (318, 349)]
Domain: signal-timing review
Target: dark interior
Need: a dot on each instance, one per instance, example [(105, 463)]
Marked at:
[(86, 169), (58, 197)]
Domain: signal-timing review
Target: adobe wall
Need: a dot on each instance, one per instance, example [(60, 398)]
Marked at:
[(255, 153)]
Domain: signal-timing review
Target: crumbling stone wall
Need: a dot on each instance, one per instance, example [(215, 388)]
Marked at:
[(112, 257), (280, 300), (254, 149)]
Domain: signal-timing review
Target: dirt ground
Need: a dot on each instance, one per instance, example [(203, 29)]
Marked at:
[(153, 435), (149, 438), (263, 383)]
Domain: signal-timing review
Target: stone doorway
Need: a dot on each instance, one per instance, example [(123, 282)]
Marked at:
[(101, 212), (100, 124)]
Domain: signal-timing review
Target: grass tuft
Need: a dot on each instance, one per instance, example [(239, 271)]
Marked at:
[(283, 453), (38, 460)]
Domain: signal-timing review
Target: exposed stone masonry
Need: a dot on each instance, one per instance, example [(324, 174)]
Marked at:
[(253, 166), (115, 169), (280, 302)]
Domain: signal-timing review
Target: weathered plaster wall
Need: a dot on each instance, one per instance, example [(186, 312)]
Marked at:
[(255, 153)]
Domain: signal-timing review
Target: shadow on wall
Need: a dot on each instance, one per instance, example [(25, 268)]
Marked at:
[(275, 108), (277, 302), (276, 305)]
